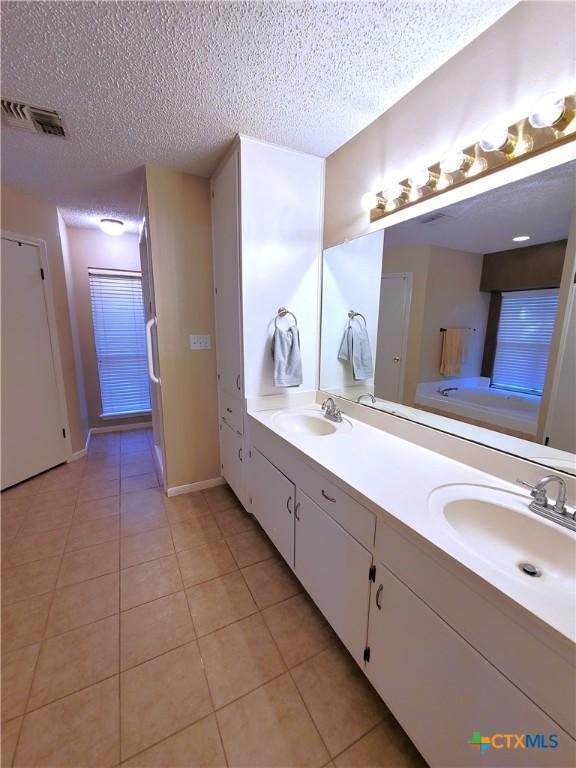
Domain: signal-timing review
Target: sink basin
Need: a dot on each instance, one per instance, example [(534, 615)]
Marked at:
[(498, 527), (309, 422)]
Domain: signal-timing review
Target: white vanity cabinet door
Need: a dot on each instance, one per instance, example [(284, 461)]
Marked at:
[(231, 458), (273, 496), (334, 568), (226, 255), (441, 690)]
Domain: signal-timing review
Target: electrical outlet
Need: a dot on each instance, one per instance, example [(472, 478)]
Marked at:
[(199, 341)]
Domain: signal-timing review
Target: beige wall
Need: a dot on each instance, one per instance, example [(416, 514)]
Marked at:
[(26, 215), (92, 248), (180, 241), (527, 52)]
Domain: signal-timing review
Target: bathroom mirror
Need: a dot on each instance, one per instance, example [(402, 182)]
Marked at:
[(463, 319)]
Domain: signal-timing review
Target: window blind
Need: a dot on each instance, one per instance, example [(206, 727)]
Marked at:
[(118, 320), (523, 340)]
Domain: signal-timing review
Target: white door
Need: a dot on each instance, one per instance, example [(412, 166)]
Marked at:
[(231, 447), (33, 438), (441, 690), (226, 254), (334, 568), (393, 320), (273, 498)]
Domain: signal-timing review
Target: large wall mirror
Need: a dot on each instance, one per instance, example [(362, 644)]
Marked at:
[(463, 319)]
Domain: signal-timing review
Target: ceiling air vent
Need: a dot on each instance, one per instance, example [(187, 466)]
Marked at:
[(434, 216), (25, 117)]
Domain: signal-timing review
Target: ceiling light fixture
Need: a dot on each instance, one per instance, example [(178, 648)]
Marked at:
[(520, 238), (112, 226), (548, 110)]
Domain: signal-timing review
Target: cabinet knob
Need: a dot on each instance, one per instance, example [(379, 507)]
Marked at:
[(396, 359), (229, 410)]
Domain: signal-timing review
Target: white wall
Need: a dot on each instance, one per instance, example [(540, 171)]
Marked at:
[(350, 280), (281, 224)]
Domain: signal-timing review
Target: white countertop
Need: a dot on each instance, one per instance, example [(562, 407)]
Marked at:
[(395, 476)]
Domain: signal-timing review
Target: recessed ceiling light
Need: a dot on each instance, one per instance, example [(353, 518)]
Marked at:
[(112, 226), (520, 238)]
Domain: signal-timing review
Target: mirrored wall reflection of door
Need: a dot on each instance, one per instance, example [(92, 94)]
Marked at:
[(393, 325)]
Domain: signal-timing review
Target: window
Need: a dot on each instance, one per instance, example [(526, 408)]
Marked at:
[(118, 319), (523, 341)]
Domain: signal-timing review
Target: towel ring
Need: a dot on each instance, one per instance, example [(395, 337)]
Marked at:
[(352, 314), (282, 312)]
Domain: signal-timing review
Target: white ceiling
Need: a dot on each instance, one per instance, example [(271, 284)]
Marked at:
[(172, 82), (539, 206)]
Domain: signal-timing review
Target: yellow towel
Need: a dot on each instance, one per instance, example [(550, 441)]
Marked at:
[(452, 351)]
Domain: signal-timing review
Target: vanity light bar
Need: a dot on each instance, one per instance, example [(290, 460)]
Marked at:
[(552, 122)]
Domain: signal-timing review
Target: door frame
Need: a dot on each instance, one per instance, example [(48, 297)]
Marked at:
[(408, 276), (52, 328)]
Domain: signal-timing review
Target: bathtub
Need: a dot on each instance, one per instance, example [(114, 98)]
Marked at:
[(476, 400)]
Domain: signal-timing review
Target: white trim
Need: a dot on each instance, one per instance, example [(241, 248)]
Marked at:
[(191, 487), (109, 416), (122, 427), (52, 327), (80, 454)]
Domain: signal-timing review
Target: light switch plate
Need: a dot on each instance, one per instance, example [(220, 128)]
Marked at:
[(199, 341)]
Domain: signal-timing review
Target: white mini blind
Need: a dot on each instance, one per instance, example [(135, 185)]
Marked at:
[(523, 341), (118, 319)]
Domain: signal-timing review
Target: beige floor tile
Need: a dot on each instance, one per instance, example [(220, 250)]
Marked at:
[(161, 697), (299, 629), (149, 581), (189, 506), (154, 628), (68, 476), (89, 563), (218, 602), (9, 739), (102, 472), (28, 547), (51, 500), (136, 465), (14, 504), (249, 548), (270, 727), (23, 623), (235, 520), (98, 488), (194, 532), (11, 523), (205, 562), (29, 579), (75, 660), (48, 521), (340, 699), (139, 482), (149, 545), (83, 603), (197, 745), (221, 497), (387, 746), (17, 672), (239, 658), (270, 582), (23, 490), (142, 511), (79, 731), (93, 532), (93, 510)]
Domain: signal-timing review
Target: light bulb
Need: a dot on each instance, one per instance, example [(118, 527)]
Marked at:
[(547, 111), (112, 226), (393, 191), (419, 178), (369, 201), (494, 137), (520, 238), (453, 161)]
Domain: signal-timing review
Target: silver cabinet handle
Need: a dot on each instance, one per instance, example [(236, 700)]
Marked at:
[(378, 597), (240, 453), (296, 508), (288, 502), (328, 498), (238, 382)]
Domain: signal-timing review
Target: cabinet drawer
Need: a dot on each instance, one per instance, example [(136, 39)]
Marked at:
[(352, 516), (231, 410)]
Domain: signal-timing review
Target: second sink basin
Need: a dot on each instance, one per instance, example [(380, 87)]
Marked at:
[(309, 422)]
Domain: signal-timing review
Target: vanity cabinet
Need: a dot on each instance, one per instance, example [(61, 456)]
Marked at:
[(335, 571), (273, 499), (441, 690), (231, 457)]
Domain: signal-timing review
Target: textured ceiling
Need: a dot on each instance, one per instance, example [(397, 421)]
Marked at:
[(172, 82), (539, 206)]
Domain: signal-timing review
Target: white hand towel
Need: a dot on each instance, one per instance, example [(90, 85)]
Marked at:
[(287, 358), (355, 349)]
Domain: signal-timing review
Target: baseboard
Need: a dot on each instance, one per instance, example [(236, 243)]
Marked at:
[(122, 427), (80, 454), (192, 487)]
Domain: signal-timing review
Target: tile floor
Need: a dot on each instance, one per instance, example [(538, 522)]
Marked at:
[(139, 630)]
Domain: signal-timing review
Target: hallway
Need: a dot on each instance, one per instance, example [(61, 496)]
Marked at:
[(150, 631)]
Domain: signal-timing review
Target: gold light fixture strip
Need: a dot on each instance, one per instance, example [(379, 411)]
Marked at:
[(497, 148)]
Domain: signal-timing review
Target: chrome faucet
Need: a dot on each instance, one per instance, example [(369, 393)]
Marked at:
[(331, 412), (366, 394), (557, 512), (444, 391)]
